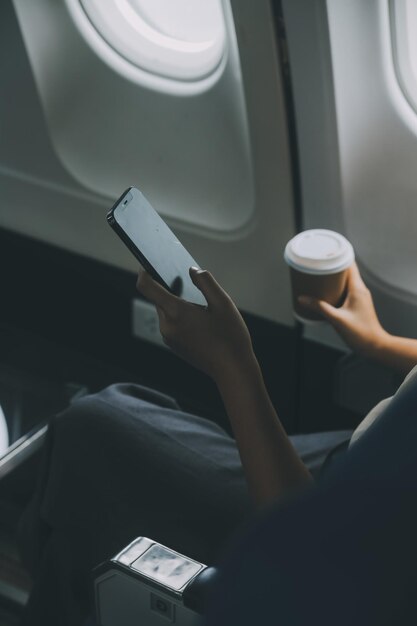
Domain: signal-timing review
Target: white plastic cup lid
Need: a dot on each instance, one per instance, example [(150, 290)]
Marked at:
[(319, 251)]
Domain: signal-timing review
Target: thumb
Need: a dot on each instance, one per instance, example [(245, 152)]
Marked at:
[(207, 284)]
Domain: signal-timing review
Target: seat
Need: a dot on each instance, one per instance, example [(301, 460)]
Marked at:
[(343, 552)]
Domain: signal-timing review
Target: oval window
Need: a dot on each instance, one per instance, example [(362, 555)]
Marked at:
[(404, 35), (176, 39)]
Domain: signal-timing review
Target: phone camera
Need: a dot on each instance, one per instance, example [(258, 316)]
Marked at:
[(126, 199)]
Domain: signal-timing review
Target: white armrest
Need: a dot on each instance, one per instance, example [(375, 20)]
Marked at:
[(149, 584)]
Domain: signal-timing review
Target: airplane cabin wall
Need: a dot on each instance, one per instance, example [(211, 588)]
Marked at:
[(71, 281), (46, 191), (357, 138)]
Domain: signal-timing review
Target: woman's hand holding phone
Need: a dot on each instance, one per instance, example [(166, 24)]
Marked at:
[(215, 339)]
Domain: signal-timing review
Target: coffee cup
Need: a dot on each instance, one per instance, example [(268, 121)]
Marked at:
[(319, 260)]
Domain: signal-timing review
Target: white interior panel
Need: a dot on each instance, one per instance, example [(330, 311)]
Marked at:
[(358, 144), (189, 152), (378, 142), (230, 199)]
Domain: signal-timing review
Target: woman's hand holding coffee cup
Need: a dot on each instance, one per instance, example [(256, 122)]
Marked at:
[(356, 320), (319, 261), (327, 287)]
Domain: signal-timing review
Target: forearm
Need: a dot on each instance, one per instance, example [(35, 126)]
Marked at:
[(271, 465), (397, 352)]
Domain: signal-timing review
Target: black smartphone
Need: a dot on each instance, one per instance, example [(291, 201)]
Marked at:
[(154, 244)]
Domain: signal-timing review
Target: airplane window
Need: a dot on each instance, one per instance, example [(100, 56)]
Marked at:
[(404, 30), (182, 40), (146, 93)]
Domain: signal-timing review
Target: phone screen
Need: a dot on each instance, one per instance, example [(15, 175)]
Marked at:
[(154, 244)]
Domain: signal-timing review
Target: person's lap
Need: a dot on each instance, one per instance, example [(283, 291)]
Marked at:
[(130, 453), (128, 462)]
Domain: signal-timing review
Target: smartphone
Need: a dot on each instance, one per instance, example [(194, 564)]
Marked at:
[(154, 244)]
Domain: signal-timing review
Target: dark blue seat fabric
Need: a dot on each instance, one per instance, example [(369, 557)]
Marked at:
[(346, 552)]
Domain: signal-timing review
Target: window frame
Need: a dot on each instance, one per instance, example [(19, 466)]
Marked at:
[(174, 82), (400, 42)]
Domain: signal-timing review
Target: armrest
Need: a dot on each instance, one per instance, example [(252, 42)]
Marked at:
[(151, 584)]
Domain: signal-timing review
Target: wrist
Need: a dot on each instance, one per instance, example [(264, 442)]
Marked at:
[(233, 372), (379, 346)]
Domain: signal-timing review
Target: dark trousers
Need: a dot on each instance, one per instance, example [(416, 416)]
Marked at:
[(128, 462)]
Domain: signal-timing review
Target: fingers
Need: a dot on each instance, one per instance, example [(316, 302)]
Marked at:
[(154, 292), (167, 302), (207, 284), (328, 311), (331, 313)]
